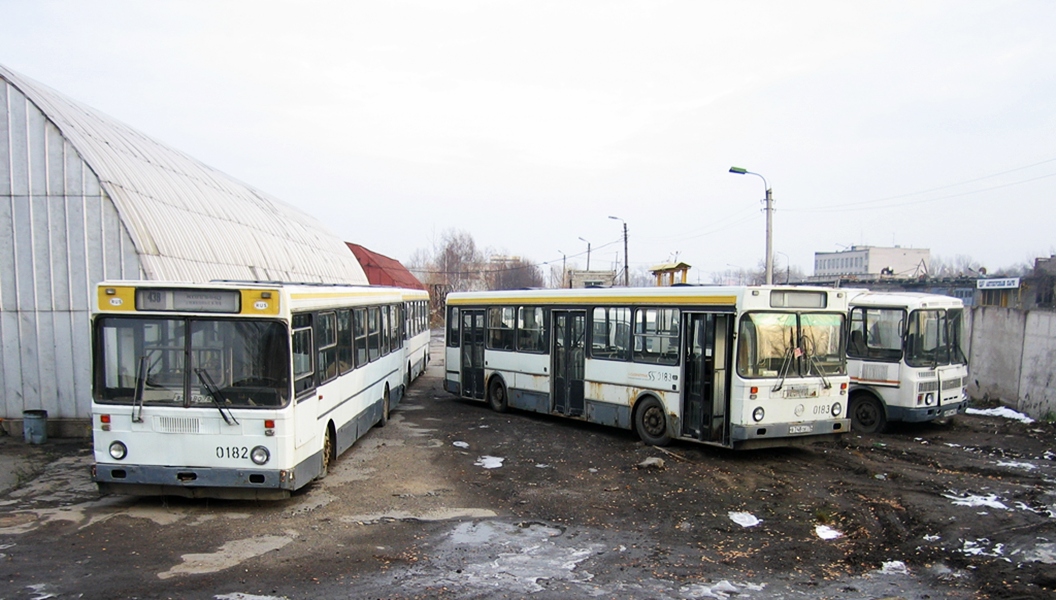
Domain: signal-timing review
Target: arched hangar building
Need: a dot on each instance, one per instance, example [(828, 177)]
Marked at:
[(85, 198)]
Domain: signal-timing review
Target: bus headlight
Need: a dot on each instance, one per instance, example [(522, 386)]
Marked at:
[(260, 455), (758, 414), (837, 409), (118, 450), (929, 399)]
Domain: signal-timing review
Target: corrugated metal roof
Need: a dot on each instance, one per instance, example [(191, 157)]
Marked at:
[(188, 221)]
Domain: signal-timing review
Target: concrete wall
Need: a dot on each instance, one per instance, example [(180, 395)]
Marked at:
[(1013, 358), (1037, 381)]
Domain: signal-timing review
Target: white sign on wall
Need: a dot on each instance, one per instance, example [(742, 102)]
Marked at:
[(997, 284)]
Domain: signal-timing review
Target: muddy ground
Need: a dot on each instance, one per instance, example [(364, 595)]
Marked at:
[(452, 500)]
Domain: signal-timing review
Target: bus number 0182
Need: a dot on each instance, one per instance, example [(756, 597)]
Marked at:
[(232, 452)]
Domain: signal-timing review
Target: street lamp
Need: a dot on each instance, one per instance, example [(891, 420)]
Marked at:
[(626, 271), (769, 223), (563, 259), (588, 253)]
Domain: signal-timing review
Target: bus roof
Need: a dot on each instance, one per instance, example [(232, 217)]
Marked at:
[(708, 295), (908, 300)]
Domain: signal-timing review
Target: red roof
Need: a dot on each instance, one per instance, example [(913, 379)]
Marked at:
[(382, 270)]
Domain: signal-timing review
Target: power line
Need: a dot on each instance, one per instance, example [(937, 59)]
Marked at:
[(868, 203)]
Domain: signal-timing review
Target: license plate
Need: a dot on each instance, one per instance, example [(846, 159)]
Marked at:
[(950, 412), (800, 428), (799, 392)]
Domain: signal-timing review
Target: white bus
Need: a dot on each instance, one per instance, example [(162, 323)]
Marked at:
[(737, 367), (415, 334), (237, 390), (905, 358)]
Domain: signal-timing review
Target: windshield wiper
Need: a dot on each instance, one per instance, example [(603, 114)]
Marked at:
[(813, 364), (137, 397), (214, 393), (786, 364)]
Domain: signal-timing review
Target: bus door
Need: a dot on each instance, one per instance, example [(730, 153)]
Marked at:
[(704, 402), (569, 327), (473, 354)]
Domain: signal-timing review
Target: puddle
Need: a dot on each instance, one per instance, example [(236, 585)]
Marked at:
[(442, 514), (230, 554)]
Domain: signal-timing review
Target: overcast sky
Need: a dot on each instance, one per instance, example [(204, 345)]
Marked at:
[(929, 124)]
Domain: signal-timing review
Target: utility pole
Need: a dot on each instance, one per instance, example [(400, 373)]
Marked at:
[(626, 263)]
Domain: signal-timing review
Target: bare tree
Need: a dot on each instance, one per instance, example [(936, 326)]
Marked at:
[(514, 273), (458, 262)]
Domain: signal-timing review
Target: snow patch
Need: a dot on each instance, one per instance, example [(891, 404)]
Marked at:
[(894, 567), (1001, 411), (744, 519), (990, 501), (827, 533), (460, 444), (489, 462)]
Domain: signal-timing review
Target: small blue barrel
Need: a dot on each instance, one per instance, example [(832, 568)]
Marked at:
[(35, 426)]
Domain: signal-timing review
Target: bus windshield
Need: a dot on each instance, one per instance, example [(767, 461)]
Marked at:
[(247, 361), (933, 338), (773, 344)]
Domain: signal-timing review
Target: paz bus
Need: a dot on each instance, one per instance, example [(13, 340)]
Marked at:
[(737, 367), (236, 389), (905, 358)]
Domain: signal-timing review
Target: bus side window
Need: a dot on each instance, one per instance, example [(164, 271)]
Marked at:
[(344, 341), (530, 329), (359, 335), (303, 371), (326, 339), (373, 333), (453, 341)]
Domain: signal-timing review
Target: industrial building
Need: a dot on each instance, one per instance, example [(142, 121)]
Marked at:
[(85, 198)]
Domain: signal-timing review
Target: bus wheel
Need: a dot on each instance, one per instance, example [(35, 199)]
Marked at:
[(497, 395), (384, 408), (328, 451), (650, 422), (867, 415)]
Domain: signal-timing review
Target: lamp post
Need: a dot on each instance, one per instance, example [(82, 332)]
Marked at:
[(626, 271), (588, 253), (563, 259), (769, 222)]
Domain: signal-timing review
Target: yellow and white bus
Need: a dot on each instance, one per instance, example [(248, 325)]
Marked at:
[(415, 333), (238, 390), (737, 367), (905, 358)]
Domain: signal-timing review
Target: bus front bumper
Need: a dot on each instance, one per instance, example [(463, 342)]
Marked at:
[(193, 482), (788, 432), (926, 413)]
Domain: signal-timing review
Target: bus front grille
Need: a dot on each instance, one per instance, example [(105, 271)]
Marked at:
[(177, 425)]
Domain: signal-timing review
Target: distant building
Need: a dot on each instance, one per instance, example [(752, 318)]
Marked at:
[(872, 262), (587, 279)]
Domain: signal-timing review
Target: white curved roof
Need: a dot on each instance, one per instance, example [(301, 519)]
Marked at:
[(188, 221)]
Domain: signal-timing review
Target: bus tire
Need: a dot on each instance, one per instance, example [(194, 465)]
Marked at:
[(384, 418), (328, 454), (497, 398), (650, 422), (867, 414)]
